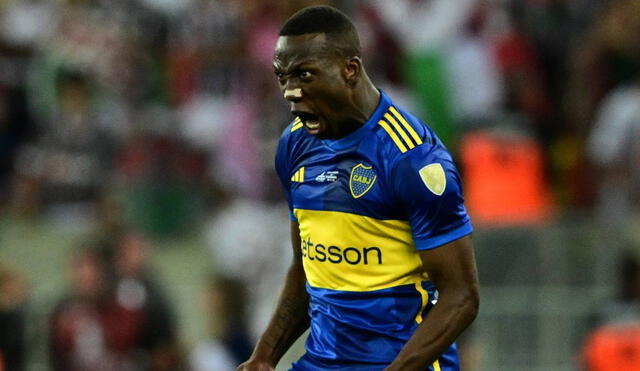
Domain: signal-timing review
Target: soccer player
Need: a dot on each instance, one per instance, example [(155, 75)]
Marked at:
[(383, 268)]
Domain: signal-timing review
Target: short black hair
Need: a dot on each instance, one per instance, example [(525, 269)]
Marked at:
[(328, 20)]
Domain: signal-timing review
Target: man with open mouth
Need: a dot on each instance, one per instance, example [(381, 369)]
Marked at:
[(383, 270)]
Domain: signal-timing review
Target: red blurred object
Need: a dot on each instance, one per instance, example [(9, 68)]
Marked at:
[(613, 348), (504, 180), (518, 61), (182, 71)]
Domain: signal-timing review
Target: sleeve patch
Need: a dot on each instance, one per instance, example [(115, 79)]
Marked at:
[(434, 178)]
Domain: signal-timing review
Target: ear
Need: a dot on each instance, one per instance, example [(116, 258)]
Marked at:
[(353, 70)]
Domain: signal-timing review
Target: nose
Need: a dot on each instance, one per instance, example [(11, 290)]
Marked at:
[(293, 95)]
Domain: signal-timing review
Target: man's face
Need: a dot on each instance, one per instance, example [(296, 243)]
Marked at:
[(313, 81)]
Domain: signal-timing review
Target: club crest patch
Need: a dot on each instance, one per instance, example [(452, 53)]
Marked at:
[(434, 178), (361, 180)]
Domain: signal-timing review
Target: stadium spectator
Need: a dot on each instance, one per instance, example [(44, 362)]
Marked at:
[(476, 88), (520, 67), (68, 163), (140, 298), (78, 337), (228, 341), (13, 342), (15, 128), (606, 58), (614, 342), (113, 316), (614, 147), (252, 224), (426, 70)]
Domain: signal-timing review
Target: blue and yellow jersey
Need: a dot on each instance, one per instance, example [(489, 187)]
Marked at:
[(366, 205)]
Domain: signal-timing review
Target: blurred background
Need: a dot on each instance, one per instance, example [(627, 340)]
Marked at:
[(142, 226)]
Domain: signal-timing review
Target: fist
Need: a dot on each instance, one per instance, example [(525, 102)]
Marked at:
[(255, 366)]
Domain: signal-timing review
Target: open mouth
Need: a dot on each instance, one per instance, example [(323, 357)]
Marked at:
[(309, 120)]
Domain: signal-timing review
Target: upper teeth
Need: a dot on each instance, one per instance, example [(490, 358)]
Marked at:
[(312, 124)]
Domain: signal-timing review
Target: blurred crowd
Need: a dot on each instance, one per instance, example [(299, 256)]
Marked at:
[(142, 119)]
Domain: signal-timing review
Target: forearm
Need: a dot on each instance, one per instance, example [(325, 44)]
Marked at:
[(289, 320), (438, 330)]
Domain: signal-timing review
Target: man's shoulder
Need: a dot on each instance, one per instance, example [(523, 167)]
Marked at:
[(403, 135), (292, 139), (293, 132)]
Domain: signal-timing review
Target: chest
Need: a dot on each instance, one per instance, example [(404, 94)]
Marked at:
[(348, 181)]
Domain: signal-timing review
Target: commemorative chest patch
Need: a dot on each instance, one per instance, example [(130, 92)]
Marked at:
[(361, 180)]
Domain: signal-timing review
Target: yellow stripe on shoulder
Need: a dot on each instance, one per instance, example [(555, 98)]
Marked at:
[(406, 125), (403, 134), (297, 124), (393, 135)]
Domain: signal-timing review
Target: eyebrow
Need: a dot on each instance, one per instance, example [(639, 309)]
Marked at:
[(295, 66)]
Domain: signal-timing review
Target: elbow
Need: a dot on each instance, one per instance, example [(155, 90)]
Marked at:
[(472, 301), (465, 301)]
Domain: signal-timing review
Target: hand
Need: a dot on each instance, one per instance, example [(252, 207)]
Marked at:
[(255, 365)]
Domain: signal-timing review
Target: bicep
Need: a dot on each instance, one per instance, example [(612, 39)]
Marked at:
[(452, 265), (296, 269), (296, 243)]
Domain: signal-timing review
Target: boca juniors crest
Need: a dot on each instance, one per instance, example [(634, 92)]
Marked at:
[(361, 180)]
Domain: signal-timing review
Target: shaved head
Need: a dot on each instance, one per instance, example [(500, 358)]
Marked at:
[(341, 35)]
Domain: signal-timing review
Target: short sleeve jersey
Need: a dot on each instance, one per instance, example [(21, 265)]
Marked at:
[(366, 204)]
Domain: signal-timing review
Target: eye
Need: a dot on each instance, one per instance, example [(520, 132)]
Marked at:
[(305, 74)]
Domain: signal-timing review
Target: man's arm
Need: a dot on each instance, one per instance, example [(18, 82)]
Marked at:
[(452, 268), (290, 319)]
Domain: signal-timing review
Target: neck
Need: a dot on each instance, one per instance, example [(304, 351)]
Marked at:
[(365, 101), (367, 98)]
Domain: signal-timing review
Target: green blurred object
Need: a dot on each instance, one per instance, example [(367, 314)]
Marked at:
[(426, 76), (163, 210)]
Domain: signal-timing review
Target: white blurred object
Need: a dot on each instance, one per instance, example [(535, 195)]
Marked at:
[(617, 127), (203, 120), (250, 241), (401, 96), (475, 81), (211, 356), (167, 6), (245, 237), (614, 144), (425, 25), (26, 23)]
